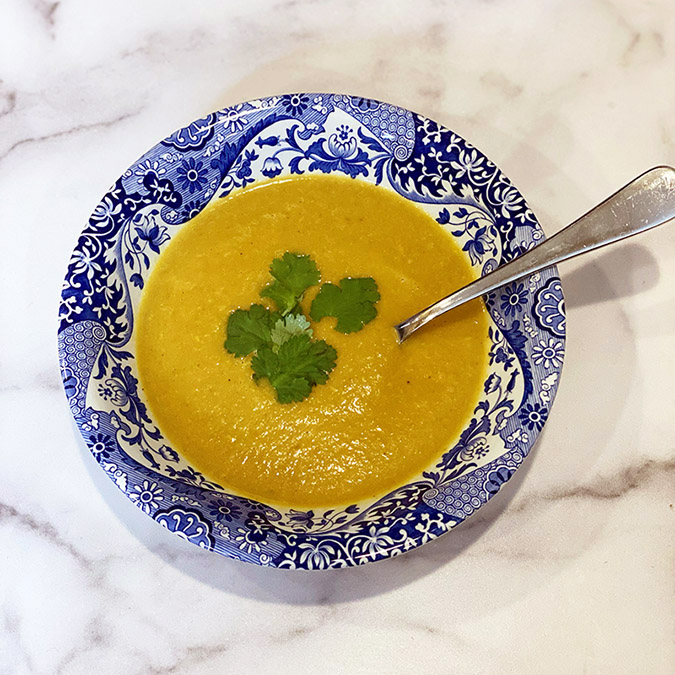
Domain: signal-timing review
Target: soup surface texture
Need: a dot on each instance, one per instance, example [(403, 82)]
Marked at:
[(387, 411)]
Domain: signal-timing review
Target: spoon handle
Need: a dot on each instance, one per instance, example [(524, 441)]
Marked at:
[(647, 201)]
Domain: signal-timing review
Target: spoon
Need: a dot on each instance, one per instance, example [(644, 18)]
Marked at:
[(647, 201)]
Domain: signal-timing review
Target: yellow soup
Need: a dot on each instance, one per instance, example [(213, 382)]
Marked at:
[(387, 411)]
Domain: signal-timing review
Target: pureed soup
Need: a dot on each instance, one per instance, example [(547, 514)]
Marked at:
[(385, 411)]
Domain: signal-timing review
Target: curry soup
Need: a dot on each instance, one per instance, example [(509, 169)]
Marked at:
[(387, 410)]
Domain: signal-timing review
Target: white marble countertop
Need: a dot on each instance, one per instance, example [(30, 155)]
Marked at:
[(570, 569)]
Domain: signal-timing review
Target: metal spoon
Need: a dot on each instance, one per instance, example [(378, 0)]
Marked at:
[(647, 201)]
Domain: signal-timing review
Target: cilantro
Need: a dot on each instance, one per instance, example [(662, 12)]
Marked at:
[(282, 342), (299, 364), (292, 324), (249, 329), (293, 275), (353, 303)]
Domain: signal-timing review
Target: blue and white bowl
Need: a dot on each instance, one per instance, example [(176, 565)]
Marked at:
[(297, 134)]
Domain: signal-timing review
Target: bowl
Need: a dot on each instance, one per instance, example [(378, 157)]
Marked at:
[(231, 149)]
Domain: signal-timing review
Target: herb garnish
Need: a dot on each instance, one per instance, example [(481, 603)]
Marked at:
[(282, 343)]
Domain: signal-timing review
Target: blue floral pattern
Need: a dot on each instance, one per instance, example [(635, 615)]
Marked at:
[(548, 353), (147, 496), (192, 175), (295, 104), (101, 445), (533, 416), (514, 299), (194, 136), (294, 134), (549, 308), (223, 509), (187, 524)]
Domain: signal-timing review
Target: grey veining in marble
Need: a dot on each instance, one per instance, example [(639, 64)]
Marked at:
[(570, 568)]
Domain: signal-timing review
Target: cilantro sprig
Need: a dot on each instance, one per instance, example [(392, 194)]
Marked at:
[(282, 341)]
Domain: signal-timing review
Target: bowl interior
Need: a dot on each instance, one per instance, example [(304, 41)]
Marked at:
[(232, 149)]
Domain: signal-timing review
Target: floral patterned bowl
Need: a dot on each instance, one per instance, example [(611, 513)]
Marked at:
[(295, 134)]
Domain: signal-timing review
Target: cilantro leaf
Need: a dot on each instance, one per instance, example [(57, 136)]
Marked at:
[(249, 329), (265, 363), (293, 275), (290, 387), (314, 359), (292, 324), (299, 364), (353, 303)]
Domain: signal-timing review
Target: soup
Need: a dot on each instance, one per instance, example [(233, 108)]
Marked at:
[(386, 411)]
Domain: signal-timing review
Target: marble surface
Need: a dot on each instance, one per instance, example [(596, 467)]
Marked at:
[(571, 568)]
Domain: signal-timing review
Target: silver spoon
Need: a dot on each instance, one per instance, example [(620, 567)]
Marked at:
[(647, 201)]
